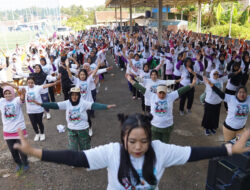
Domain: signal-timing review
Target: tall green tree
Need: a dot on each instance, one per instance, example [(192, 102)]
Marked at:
[(244, 16), (219, 11)]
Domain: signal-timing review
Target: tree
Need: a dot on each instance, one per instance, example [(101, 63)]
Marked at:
[(219, 11), (244, 16)]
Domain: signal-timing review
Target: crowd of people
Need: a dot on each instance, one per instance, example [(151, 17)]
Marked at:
[(157, 73)]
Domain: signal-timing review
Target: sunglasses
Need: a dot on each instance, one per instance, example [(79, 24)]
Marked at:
[(216, 73)]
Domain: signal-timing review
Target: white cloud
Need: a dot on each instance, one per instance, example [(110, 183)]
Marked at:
[(84, 3), (20, 4)]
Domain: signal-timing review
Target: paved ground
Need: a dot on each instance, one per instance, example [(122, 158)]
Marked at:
[(42, 176)]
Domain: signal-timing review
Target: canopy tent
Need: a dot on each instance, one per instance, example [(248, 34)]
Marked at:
[(160, 3), (154, 3)]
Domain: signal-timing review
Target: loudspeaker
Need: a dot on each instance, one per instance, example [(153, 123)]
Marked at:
[(148, 14), (223, 175)]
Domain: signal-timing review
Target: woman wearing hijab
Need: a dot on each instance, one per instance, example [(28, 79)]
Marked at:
[(161, 107), (220, 64), (212, 105), (77, 118), (12, 119), (245, 67), (41, 78), (188, 71), (235, 78), (35, 113), (238, 110)]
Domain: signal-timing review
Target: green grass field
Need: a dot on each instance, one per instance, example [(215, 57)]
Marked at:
[(8, 40)]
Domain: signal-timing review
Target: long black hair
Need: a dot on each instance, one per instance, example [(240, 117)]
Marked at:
[(85, 72), (127, 172)]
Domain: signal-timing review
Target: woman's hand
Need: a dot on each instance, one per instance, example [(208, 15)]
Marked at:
[(109, 68), (208, 81), (36, 102), (190, 70), (240, 146), (129, 78), (111, 106), (22, 96), (26, 148), (194, 81)]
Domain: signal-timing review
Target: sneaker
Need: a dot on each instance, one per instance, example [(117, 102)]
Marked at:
[(213, 131), (37, 137), (26, 167), (90, 132), (207, 132), (48, 116), (121, 69), (182, 113), (42, 137), (133, 97), (189, 111)]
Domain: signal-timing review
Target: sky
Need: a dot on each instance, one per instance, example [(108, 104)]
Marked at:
[(84, 3), (19, 4)]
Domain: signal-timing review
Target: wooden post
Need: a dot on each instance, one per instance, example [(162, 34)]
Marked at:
[(121, 15), (130, 17), (231, 18), (167, 13), (116, 17), (160, 21), (199, 18)]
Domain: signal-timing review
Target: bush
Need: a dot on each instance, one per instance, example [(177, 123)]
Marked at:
[(236, 32)]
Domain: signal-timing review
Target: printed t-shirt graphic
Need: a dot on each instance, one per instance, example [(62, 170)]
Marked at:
[(75, 115), (30, 97), (9, 111), (161, 108), (83, 88), (242, 111)]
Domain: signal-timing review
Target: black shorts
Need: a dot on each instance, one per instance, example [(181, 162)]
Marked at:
[(230, 128)]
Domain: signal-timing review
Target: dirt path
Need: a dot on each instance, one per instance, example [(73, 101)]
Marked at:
[(43, 176)]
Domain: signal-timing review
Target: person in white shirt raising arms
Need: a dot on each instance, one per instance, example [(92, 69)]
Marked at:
[(137, 162), (77, 118)]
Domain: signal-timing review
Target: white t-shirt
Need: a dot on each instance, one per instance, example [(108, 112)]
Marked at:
[(211, 96), (230, 86), (143, 75), (169, 67), (219, 66), (108, 156), (84, 87), (237, 111), (33, 94), (162, 110), (92, 84), (176, 71), (48, 69), (76, 116), (139, 64), (185, 75), (12, 115)]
